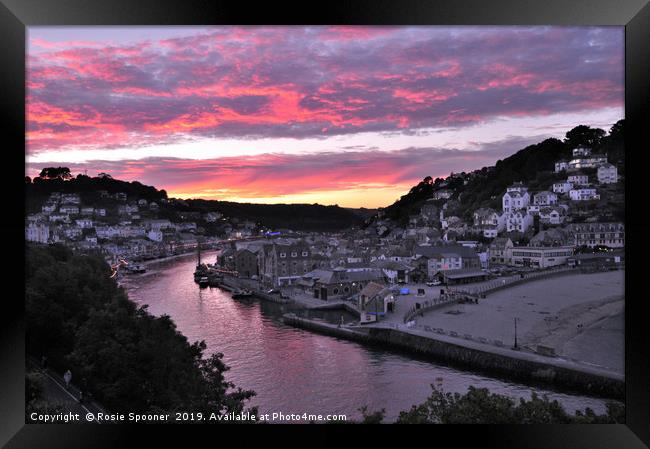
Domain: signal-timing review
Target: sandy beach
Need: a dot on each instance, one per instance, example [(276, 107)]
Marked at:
[(576, 315)]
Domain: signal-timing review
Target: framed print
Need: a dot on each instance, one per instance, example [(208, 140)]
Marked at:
[(370, 213)]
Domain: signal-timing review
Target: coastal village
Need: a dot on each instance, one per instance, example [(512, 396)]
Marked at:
[(434, 247), (415, 278)]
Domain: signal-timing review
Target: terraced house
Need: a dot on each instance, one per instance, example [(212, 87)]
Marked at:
[(611, 235)]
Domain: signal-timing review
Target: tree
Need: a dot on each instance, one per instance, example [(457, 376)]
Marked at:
[(104, 176), (55, 173), (584, 135), (617, 131)]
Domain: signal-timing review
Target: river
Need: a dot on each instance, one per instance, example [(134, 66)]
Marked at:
[(296, 371)]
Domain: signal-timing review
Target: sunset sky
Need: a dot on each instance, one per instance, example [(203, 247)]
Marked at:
[(353, 116)]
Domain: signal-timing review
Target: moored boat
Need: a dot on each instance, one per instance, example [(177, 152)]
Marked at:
[(241, 293), (204, 281)]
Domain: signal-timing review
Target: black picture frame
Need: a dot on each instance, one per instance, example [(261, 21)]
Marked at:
[(16, 15)]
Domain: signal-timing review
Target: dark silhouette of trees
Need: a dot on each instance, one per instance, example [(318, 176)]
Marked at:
[(55, 173), (584, 135)]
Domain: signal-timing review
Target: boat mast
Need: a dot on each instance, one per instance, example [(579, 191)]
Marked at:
[(198, 251)]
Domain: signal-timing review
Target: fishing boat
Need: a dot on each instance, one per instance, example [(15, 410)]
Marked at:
[(241, 293)]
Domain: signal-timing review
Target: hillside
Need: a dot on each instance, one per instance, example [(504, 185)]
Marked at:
[(533, 165)]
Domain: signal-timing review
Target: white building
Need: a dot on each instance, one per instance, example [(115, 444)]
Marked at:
[(545, 199), (69, 209), (84, 223), (48, 207), (515, 200), (587, 162), (519, 220), (562, 187), (89, 210), (37, 232), (607, 174), (70, 198), (578, 180), (561, 166), (581, 151), (584, 194), (540, 257)]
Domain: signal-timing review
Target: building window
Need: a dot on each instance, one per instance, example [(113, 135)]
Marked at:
[(304, 254), (294, 254), (335, 291), (283, 255)]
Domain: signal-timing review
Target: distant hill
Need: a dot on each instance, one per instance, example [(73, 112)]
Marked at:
[(300, 217)]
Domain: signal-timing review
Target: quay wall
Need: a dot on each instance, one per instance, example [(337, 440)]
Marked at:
[(525, 368)]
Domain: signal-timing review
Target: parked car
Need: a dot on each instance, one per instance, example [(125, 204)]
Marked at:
[(434, 283)]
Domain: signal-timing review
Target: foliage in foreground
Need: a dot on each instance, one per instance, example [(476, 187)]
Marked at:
[(479, 406), (132, 361)]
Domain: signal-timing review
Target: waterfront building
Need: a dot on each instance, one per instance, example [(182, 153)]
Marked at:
[(499, 250), (283, 264), (461, 276), (246, 263), (375, 300), (598, 260), (337, 283), (540, 257)]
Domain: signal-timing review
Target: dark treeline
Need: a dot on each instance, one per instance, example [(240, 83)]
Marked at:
[(79, 318)]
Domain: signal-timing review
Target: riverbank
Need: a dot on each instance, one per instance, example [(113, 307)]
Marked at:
[(517, 365)]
